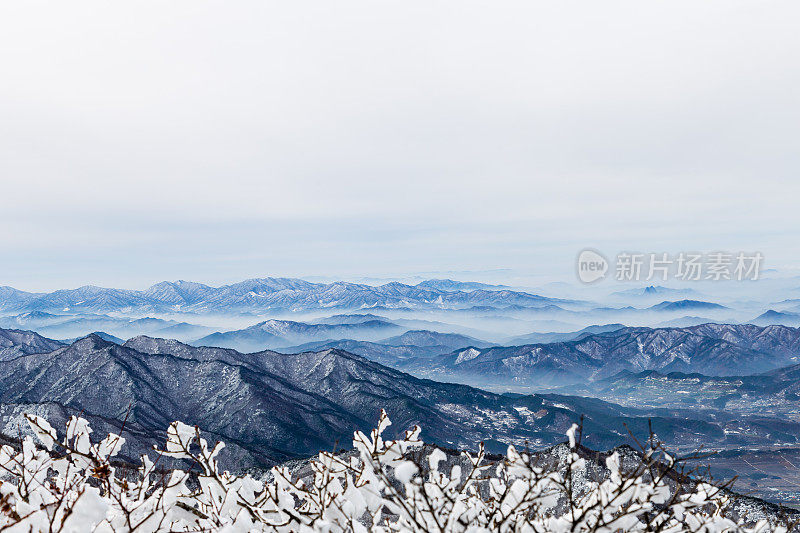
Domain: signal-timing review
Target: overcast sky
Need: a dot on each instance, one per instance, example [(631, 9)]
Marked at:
[(216, 141)]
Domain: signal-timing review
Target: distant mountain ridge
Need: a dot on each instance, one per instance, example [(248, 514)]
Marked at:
[(269, 406), (540, 338), (711, 349), (80, 325), (394, 350), (14, 343), (653, 291), (452, 285), (433, 338), (102, 334), (384, 354), (259, 295), (786, 318), (686, 305), (280, 333), (774, 394)]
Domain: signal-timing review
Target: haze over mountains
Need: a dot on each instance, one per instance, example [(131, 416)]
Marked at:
[(269, 406), (280, 333), (713, 349), (280, 368), (77, 325), (465, 331), (495, 314)]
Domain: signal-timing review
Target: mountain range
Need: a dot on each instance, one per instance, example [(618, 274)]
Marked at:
[(269, 407), (78, 325), (281, 333), (711, 349), (686, 305), (414, 343), (452, 285), (14, 343), (774, 393), (264, 294), (656, 290), (540, 338), (785, 318)]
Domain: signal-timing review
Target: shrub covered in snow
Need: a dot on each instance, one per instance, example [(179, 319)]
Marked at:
[(384, 485)]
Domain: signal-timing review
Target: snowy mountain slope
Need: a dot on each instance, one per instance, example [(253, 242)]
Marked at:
[(14, 343), (686, 305), (712, 349), (281, 333), (105, 379), (427, 338), (270, 406), (450, 414), (773, 393), (350, 319), (381, 353), (656, 290), (12, 299), (102, 334), (32, 319), (123, 327), (539, 338), (772, 317), (414, 343), (452, 285), (258, 295)]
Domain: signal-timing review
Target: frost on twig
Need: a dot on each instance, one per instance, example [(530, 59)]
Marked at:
[(382, 485)]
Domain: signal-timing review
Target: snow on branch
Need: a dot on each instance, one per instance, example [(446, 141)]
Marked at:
[(382, 485)]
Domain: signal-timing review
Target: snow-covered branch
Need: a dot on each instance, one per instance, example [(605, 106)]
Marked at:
[(383, 485)]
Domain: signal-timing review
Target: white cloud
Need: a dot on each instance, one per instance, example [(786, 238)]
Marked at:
[(419, 135)]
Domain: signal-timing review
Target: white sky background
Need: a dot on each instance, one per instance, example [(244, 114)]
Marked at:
[(216, 141)]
